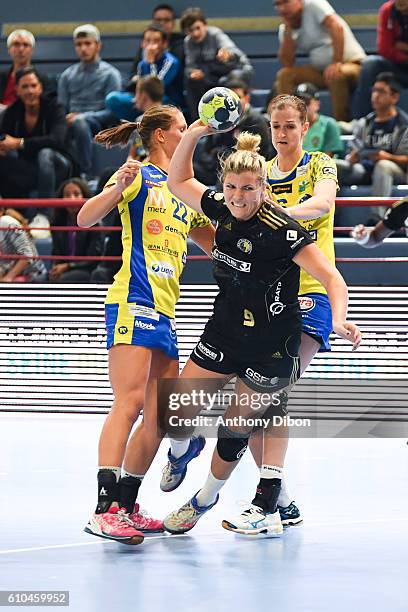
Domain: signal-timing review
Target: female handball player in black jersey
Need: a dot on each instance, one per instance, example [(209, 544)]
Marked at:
[(255, 328)]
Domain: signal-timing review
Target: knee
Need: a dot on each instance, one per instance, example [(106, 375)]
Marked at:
[(130, 404), (80, 125), (231, 445), (45, 156), (384, 166)]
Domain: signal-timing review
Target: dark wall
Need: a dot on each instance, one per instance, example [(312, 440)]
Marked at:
[(101, 10)]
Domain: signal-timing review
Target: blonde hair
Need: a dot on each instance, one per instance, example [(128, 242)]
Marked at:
[(154, 118), (245, 158)]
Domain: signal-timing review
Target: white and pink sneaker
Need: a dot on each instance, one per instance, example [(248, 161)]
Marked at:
[(114, 525), (145, 523)]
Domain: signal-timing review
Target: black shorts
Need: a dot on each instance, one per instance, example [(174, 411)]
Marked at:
[(266, 373)]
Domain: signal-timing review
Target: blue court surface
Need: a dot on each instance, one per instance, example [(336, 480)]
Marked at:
[(350, 554)]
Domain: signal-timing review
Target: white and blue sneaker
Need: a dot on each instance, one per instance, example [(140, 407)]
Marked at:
[(290, 515), (175, 470), (186, 517), (254, 521)]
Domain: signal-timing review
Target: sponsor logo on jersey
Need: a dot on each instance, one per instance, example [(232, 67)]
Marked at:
[(329, 170), (313, 234), (227, 226), (307, 196), (159, 176), (162, 269), (159, 248), (184, 258), (303, 185), (145, 326), (301, 170), (306, 303), (295, 244), (277, 355), (216, 195), (237, 264), (151, 184), (154, 226), (291, 235), (156, 209), (123, 329), (208, 351), (287, 188), (277, 306), (143, 311), (244, 245), (174, 230), (261, 380)]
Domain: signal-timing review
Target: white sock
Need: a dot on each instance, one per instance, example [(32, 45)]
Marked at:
[(114, 469), (179, 447), (284, 498), (271, 471), (126, 473), (208, 494)]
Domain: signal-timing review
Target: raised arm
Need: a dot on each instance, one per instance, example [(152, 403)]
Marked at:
[(181, 181), (96, 208), (203, 237), (312, 260)]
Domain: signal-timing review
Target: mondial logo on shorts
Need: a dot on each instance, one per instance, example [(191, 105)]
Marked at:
[(162, 269), (306, 303)]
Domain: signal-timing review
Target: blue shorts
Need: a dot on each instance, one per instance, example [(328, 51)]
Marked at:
[(128, 323), (317, 318)]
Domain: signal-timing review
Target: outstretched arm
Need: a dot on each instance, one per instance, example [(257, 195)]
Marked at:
[(203, 237), (312, 260), (181, 181), (369, 238)]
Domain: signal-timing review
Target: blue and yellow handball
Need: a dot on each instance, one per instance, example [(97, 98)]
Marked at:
[(220, 108)]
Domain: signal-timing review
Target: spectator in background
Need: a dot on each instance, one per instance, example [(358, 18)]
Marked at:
[(14, 240), (164, 16), (206, 159), (20, 45), (379, 151), (73, 242), (82, 89), (149, 93), (323, 133), (211, 57), (312, 27), (156, 61), (392, 44), (34, 145)]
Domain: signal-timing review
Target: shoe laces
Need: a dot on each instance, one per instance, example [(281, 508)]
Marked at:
[(186, 512), (250, 508), (122, 515), (141, 512)]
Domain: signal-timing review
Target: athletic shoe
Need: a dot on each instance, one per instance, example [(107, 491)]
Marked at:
[(145, 523), (114, 525), (186, 517), (255, 521), (290, 515), (175, 470)]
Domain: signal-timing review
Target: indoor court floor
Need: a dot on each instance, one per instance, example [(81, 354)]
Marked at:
[(350, 554)]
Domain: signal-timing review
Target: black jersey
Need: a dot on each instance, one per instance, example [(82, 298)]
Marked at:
[(253, 268), (397, 215)]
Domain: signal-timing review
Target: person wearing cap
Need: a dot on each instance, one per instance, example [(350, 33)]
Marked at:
[(323, 133), (82, 90), (378, 153), (20, 46), (313, 28)]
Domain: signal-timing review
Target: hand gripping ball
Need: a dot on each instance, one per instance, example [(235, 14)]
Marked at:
[(220, 108)]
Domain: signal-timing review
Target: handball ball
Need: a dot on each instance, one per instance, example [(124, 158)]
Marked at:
[(220, 108)]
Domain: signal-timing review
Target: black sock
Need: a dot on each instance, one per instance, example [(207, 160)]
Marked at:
[(267, 493), (128, 490), (108, 490)]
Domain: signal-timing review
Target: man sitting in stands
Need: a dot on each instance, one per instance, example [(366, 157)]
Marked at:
[(82, 90)]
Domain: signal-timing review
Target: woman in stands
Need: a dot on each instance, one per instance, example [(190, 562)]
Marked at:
[(73, 242), (16, 240), (141, 334), (303, 185)]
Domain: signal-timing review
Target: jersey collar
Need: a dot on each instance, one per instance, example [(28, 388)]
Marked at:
[(305, 157)]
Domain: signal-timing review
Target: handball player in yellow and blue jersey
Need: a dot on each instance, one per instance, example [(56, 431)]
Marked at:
[(141, 332)]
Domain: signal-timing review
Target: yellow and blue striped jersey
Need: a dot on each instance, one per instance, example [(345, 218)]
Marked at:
[(296, 187), (154, 237)]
